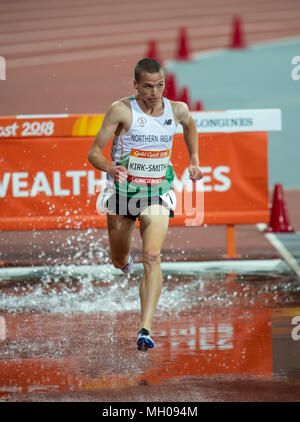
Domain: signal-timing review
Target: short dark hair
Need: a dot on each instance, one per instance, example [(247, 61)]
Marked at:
[(147, 65)]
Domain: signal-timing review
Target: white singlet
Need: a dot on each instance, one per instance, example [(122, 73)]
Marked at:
[(145, 150)]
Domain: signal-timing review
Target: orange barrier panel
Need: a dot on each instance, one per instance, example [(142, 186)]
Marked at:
[(46, 181)]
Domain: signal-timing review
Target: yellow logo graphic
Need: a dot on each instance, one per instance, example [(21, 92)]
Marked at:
[(87, 125)]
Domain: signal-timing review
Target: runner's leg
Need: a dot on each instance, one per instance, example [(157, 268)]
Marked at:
[(120, 231), (153, 229)]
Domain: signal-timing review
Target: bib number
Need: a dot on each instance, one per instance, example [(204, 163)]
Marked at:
[(148, 167)]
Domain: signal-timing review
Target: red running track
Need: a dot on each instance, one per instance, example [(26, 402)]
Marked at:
[(78, 57)]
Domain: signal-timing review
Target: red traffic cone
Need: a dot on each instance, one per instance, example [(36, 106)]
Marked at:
[(183, 52), (279, 221), (152, 52), (199, 106), (170, 89), (237, 37), (185, 96)]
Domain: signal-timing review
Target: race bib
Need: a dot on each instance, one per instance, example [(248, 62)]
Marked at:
[(148, 167)]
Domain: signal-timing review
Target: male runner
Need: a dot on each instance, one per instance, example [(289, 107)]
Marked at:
[(139, 180)]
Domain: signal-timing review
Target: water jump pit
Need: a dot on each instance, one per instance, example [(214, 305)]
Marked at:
[(223, 332)]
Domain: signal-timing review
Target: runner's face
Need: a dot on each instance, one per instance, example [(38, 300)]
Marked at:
[(151, 87)]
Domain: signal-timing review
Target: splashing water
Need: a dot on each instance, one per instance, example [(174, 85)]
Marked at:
[(61, 290)]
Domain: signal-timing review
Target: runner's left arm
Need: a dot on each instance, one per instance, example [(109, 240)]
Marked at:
[(190, 135)]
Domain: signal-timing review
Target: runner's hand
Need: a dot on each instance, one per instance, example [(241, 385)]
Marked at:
[(195, 173), (119, 174)]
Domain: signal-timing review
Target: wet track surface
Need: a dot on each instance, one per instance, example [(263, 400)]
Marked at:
[(218, 337)]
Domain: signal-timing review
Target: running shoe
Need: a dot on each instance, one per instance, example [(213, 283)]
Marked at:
[(128, 267), (144, 341)]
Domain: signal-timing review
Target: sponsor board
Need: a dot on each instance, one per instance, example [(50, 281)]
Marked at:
[(228, 121), (47, 182)]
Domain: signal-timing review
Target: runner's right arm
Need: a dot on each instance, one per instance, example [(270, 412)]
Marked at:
[(113, 118)]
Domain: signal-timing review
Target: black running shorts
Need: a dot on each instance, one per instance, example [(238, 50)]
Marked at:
[(132, 207)]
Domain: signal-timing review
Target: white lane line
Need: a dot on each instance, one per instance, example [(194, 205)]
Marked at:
[(41, 116), (187, 268), (288, 257)]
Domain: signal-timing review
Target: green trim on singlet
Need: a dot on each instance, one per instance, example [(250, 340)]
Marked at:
[(141, 191)]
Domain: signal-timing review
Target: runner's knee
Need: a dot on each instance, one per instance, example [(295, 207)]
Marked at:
[(151, 258), (119, 261)]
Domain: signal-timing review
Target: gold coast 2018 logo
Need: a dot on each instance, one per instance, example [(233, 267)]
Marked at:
[(296, 69), (2, 69)]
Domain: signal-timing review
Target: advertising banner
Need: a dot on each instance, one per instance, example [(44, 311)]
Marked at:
[(46, 181)]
